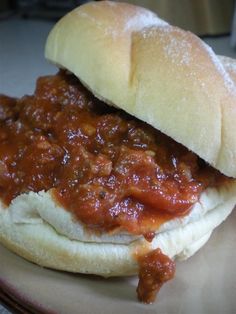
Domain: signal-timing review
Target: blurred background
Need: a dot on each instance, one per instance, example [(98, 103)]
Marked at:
[(203, 17)]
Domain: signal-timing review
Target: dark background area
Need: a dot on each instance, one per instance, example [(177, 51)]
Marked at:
[(53, 9)]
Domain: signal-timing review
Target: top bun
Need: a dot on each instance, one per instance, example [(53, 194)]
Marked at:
[(161, 74)]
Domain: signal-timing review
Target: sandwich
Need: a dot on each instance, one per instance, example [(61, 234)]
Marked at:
[(125, 160)]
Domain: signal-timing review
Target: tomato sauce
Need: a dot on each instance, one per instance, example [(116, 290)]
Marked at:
[(109, 169), (155, 268)]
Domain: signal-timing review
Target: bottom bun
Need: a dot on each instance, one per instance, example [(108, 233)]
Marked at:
[(43, 245)]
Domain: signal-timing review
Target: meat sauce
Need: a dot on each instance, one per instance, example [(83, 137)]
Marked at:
[(110, 170), (155, 268)]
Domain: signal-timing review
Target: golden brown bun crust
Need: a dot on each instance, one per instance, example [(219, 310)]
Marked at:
[(161, 74)]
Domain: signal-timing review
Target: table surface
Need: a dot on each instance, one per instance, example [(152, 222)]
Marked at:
[(22, 50)]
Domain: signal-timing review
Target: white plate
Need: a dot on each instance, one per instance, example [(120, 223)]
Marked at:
[(204, 284)]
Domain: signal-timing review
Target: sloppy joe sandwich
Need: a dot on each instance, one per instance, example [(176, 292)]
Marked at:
[(125, 160)]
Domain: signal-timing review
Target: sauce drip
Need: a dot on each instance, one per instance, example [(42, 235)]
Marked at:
[(110, 170), (155, 269)]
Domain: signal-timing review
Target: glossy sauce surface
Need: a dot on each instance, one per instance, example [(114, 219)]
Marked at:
[(155, 269), (109, 169)]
